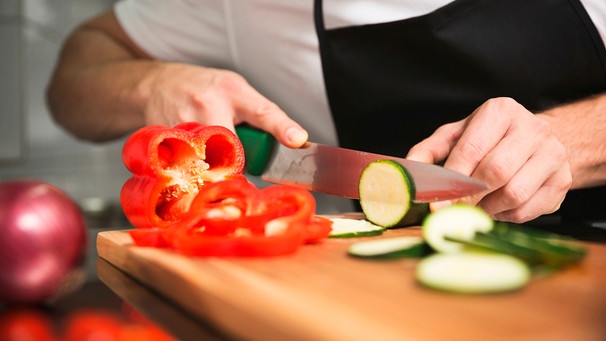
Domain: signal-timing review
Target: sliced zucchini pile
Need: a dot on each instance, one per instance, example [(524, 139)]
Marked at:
[(462, 249), (477, 255)]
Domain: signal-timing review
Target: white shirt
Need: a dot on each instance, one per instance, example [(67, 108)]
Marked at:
[(263, 39), (272, 43)]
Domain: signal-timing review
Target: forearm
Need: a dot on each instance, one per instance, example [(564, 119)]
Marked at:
[(581, 127), (94, 92)]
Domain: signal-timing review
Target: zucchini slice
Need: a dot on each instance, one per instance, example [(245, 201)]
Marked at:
[(458, 221), (540, 247), (347, 228), (387, 192), (396, 247), (473, 272)]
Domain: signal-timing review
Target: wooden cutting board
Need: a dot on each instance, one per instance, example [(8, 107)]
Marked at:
[(320, 293)]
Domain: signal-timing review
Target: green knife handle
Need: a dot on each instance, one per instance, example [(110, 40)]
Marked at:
[(258, 148)]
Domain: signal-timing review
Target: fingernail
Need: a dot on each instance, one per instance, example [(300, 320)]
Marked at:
[(296, 136), (434, 206), (421, 157)]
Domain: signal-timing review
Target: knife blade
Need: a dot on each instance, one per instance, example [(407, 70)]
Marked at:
[(336, 171)]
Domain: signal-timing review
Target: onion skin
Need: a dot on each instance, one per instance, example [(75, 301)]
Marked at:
[(42, 239)]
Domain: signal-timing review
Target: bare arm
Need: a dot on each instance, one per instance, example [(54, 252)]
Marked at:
[(581, 127), (104, 87), (94, 90)]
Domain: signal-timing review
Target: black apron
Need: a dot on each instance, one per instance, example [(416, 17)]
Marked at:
[(390, 85)]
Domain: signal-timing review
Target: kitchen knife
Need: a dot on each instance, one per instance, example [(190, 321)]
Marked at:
[(336, 171)]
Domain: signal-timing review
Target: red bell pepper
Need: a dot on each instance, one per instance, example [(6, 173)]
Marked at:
[(171, 165), (234, 218), (150, 236), (317, 229), (188, 193)]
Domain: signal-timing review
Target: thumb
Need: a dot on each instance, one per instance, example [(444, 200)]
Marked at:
[(437, 147), (264, 114)]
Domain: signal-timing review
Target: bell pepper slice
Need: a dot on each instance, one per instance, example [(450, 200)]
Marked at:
[(317, 229), (152, 237), (221, 207), (267, 222), (171, 165)]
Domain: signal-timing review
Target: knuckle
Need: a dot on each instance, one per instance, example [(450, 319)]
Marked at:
[(559, 153), (229, 79), (202, 101), (228, 82), (501, 104), (561, 187), (542, 125), (266, 109), (500, 172), (515, 196), (566, 182), (448, 128), (265, 113), (471, 151), (517, 216), (543, 131)]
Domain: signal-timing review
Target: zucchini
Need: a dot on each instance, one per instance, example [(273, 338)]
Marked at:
[(387, 191), (483, 241), (473, 254), (396, 247), (473, 272), (532, 246), (506, 228), (550, 249), (347, 228), (458, 221)]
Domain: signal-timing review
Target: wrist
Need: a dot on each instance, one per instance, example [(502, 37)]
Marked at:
[(579, 126)]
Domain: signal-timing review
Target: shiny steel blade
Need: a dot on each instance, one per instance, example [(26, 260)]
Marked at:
[(336, 171)]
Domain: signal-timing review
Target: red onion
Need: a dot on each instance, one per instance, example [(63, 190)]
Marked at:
[(42, 239)]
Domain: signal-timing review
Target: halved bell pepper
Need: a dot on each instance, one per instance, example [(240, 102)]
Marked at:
[(171, 165)]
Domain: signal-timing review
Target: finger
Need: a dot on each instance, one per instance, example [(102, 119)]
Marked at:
[(435, 148), (264, 114), (437, 205), (537, 188), (483, 131), (510, 154), (546, 200), (479, 134), (213, 110)]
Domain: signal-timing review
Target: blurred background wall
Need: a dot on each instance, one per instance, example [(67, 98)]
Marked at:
[(32, 146)]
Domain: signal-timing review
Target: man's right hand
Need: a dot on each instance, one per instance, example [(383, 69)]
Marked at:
[(179, 93)]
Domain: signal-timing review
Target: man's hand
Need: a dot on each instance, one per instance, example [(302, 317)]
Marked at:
[(512, 150), (179, 93), (105, 86)]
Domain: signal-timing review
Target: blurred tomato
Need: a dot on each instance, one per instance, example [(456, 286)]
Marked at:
[(25, 325), (92, 326), (143, 332), (80, 325)]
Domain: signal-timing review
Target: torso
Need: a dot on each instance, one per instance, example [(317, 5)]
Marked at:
[(263, 39)]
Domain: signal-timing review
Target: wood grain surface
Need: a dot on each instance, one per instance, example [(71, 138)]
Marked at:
[(320, 293)]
